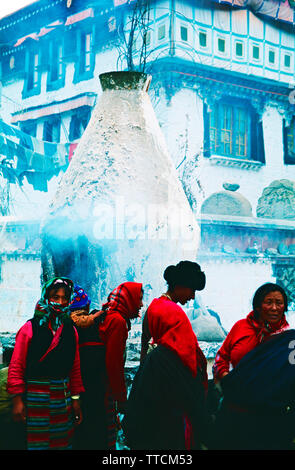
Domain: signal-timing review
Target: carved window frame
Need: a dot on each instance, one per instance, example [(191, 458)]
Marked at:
[(255, 151)]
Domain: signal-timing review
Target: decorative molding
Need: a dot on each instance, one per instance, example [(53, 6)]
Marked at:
[(243, 164), (212, 84), (286, 110), (277, 200), (285, 277)]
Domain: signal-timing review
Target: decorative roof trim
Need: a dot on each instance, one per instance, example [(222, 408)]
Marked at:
[(80, 16)]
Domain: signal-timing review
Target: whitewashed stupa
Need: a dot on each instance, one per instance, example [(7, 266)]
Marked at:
[(120, 212)]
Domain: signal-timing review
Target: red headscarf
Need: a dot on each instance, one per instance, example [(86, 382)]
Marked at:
[(125, 299)]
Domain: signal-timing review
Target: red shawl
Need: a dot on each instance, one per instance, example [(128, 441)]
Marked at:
[(169, 326), (265, 330)]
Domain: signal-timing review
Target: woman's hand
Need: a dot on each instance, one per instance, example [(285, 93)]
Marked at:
[(18, 409), (77, 411)]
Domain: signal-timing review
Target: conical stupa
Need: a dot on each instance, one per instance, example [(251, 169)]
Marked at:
[(120, 212)]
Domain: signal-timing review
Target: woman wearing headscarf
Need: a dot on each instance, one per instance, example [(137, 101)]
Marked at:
[(166, 405), (44, 373), (257, 379), (102, 340)]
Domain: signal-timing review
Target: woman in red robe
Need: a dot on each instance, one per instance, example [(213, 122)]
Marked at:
[(102, 341), (256, 376), (44, 376), (166, 406)]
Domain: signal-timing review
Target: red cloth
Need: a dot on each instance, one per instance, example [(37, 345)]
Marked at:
[(123, 304), (244, 336), (170, 326), (17, 366), (125, 299), (114, 333)]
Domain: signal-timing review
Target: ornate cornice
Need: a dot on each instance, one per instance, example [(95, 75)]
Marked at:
[(212, 84)]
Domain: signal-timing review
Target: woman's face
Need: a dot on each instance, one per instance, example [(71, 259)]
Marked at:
[(58, 296), (272, 307)]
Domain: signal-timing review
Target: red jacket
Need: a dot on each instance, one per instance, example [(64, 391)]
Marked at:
[(17, 367), (123, 304), (114, 333), (244, 336)]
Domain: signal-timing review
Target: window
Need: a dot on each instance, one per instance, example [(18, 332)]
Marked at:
[(289, 142), (161, 32), (85, 60), (183, 33), (233, 130), (221, 45), (79, 123), (202, 39), (271, 56), (85, 63), (148, 38), (256, 52), (287, 61), (239, 49), (51, 130), (29, 128), (55, 77), (32, 83)]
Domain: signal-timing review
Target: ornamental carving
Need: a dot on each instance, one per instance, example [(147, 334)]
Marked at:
[(285, 277), (277, 201), (227, 203)]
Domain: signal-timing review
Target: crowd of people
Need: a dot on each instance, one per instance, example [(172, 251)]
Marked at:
[(67, 387)]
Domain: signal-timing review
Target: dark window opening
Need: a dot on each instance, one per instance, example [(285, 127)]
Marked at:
[(79, 123), (287, 60), (32, 83), (271, 57), (161, 32), (33, 71), (183, 33), (221, 45), (203, 39), (256, 52), (239, 49), (29, 128), (85, 59), (56, 64), (51, 131)]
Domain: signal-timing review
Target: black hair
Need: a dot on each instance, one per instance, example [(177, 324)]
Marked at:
[(186, 274), (262, 291)]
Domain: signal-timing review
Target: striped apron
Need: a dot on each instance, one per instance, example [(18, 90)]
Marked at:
[(50, 423)]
